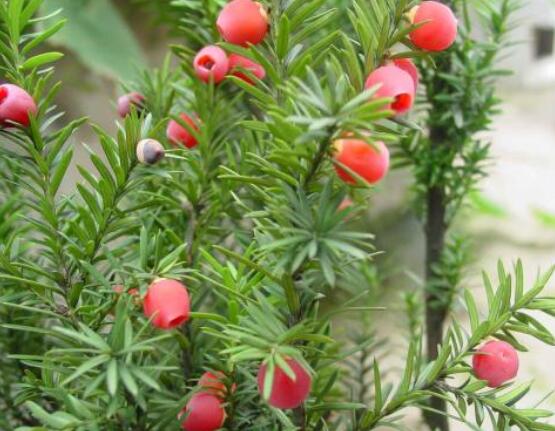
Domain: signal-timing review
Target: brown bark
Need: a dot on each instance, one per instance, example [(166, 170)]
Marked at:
[(436, 308)]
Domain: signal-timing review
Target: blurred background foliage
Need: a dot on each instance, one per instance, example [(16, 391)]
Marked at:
[(98, 35)]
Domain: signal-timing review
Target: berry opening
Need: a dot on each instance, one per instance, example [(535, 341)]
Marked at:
[(3, 93), (402, 102), (176, 321), (207, 62)]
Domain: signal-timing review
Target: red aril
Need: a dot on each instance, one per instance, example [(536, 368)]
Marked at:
[(286, 393), (368, 162), (167, 303), (394, 83), (439, 28)]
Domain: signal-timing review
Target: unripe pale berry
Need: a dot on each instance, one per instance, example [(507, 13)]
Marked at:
[(408, 66), (149, 151), (204, 413), (286, 393), (15, 105), (213, 383), (439, 30), (211, 62), (242, 22), (368, 162), (179, 135), (238, 62), (167, 301), (394, 83), (496, 362), (126, 101)]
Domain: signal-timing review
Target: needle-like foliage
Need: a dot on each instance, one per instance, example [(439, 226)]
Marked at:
[(251, 220)]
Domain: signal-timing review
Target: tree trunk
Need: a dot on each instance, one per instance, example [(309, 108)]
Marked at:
[(436, 308)]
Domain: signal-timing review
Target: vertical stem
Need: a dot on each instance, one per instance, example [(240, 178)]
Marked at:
[(436, 307)]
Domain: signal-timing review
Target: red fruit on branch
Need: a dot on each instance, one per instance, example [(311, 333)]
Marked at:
[(286, 393), (15, 105), (238, 62), (213, 383), (211, 62), (393, 83), (439, 28), (179, 135), (167, 303), (408, 66), (243, 22), (368, 162), (126, 101), (496, 362), (204, 413)]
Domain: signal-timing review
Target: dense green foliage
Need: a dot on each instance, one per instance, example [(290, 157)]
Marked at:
[(249, 220)]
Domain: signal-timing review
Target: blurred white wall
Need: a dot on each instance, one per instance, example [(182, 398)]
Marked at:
[(534, 21)]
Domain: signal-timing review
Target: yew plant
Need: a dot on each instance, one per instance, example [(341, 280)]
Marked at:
[(199, 277)]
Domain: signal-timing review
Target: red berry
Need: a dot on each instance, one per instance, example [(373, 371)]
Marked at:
[(126, 101), (204, 413), (394, 83), (238, 62), (167, 301), (15, 105), (242, 22), (495, 362), (440, 29), (177, 134), (286, 393), (212, 383), (211, 62), (408, 66), (369, 163)]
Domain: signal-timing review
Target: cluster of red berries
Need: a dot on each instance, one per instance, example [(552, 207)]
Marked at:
[(167, 304), (245, 22), (240, 22), (205, 410), (397, 80), (175, 132), (212, 63)]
